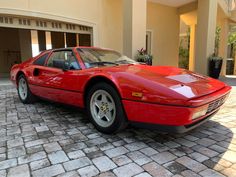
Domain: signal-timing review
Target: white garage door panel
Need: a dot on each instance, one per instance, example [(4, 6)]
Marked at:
[(42, 24)]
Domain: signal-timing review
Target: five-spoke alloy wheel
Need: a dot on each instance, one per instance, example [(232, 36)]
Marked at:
[(105, 108), (23, 88), (24, 92)]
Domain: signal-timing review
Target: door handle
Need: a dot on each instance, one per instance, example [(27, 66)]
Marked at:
[(36, 72)]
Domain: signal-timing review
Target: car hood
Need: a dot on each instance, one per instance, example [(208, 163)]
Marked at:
[(167, 82)]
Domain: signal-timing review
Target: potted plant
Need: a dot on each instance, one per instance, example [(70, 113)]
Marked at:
[(143, 57), (215, 65), (215, 62)]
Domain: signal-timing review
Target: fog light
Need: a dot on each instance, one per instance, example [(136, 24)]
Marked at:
[(199, 114)]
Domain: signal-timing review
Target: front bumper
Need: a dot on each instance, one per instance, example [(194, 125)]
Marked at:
[(172, 129), (160, 114), (172, 118)]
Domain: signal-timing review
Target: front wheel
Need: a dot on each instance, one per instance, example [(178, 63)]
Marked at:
[(24, 92), (105, 108)]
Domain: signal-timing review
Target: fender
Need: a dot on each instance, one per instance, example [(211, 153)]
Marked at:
[(103, 77)]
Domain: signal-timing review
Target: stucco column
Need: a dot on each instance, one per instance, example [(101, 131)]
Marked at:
[(223, 49), (205, 34), (192, 47), (134, 22), (25, 44), (234, 65)]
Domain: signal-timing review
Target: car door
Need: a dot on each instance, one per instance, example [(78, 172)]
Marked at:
[(55, 83)]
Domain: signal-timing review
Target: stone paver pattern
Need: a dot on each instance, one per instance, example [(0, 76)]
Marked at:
[(47, 139)]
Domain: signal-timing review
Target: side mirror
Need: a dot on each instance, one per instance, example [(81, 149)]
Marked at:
[(66, 66), (57, 63)]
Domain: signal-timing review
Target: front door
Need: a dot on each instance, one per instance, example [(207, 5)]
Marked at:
[(54, 83)]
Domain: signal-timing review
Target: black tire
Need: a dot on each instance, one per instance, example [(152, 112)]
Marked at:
[(120, 121), (29, 98)]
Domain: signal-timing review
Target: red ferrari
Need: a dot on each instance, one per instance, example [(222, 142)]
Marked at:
[(116, 90)]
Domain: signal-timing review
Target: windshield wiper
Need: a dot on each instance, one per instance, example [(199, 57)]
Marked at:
[(102, 63)]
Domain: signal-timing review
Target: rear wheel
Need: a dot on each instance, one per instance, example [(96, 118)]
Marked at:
[(24, 92), (105, 108)]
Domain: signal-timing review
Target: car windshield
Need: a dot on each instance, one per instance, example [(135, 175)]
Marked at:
[(99, 57)]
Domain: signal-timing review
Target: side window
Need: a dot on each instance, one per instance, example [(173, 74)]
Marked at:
[(41, 60), (71, 59), (57, 58)]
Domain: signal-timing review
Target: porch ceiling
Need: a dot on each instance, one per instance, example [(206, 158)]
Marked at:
[(173, 3), (189, 18)]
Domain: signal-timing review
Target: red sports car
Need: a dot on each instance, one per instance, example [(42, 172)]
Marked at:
[(116, 90)]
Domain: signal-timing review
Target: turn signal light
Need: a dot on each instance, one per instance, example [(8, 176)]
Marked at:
[(137, 94), (199, 114)]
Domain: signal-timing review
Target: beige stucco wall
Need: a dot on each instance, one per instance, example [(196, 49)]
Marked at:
[(76, 9), (134, 21), (111, 24), (164, 22), (223, 23)]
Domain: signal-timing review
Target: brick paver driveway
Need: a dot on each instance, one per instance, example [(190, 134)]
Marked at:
[(45, 139)]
